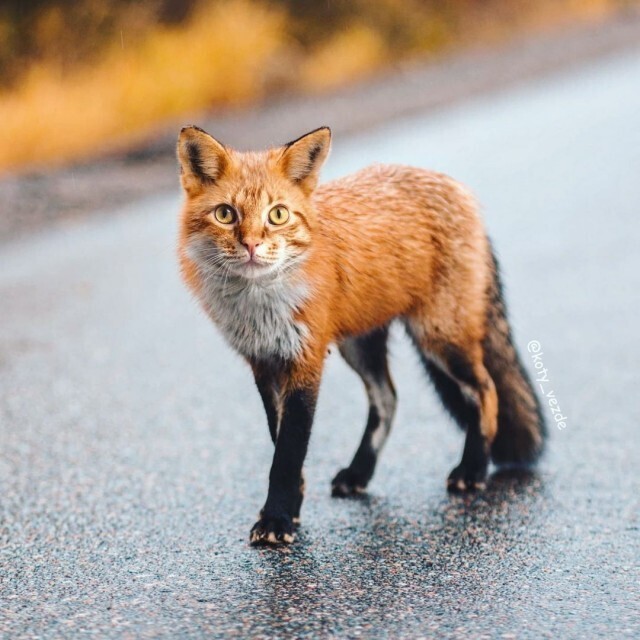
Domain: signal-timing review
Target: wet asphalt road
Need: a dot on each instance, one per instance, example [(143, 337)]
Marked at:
[(134, 451)]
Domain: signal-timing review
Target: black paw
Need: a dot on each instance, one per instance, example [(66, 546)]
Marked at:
[(463, 479), (348, 483), (272, 530)]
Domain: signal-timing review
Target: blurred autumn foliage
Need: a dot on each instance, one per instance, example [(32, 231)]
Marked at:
[(78, 75)]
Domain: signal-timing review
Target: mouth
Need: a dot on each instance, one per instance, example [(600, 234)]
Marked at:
[(253, 268)]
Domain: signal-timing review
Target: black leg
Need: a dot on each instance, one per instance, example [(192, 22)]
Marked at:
[(285, 479), (471, 473), (464, 407), (268, 382), (367, 355)]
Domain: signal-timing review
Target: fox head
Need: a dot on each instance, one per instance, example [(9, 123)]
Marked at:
[(249, 213)]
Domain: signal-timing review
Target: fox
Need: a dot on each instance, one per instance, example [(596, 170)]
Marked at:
[(286, 268)]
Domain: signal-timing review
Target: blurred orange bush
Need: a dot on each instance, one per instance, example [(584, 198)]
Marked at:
[(146, 70), (217, 58)]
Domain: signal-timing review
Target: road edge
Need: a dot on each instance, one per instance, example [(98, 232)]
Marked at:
[(40, 198)]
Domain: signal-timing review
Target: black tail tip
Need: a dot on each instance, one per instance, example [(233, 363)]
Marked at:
[(519, 448)]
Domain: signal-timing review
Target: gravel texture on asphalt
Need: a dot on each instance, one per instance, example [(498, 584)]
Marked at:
[(134, 452)]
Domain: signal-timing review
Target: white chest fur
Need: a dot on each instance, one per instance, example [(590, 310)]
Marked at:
[(257, 317)]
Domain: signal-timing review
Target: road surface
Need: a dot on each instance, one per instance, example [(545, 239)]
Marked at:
[(134, 451)]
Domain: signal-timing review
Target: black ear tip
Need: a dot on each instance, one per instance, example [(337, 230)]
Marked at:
[(185, 133), (191, 128)]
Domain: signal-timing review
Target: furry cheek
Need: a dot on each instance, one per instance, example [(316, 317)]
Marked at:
[(281, 249)]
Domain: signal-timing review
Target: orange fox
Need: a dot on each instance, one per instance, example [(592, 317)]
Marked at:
[(285, 267)]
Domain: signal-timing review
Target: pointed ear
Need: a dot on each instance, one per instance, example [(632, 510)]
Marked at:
[(202, 159), (302, 159)]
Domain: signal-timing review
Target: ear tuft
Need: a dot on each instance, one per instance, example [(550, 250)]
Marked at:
[(202, 158), (302, 159)]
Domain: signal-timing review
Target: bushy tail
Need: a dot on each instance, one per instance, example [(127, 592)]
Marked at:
[(521, 428)]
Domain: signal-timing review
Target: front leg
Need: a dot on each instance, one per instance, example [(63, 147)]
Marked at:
[(269, 380), (276, 524)]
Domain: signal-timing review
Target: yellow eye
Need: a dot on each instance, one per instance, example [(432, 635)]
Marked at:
[(225, 214), (278, 215)]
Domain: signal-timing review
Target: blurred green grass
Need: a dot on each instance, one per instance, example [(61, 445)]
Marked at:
[(79, 77)]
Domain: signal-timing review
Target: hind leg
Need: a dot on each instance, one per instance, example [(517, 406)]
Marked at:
[(367, 356), (469, 394)]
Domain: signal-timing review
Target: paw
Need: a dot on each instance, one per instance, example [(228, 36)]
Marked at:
[(463, 479), (347, 483), (272, 530)]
